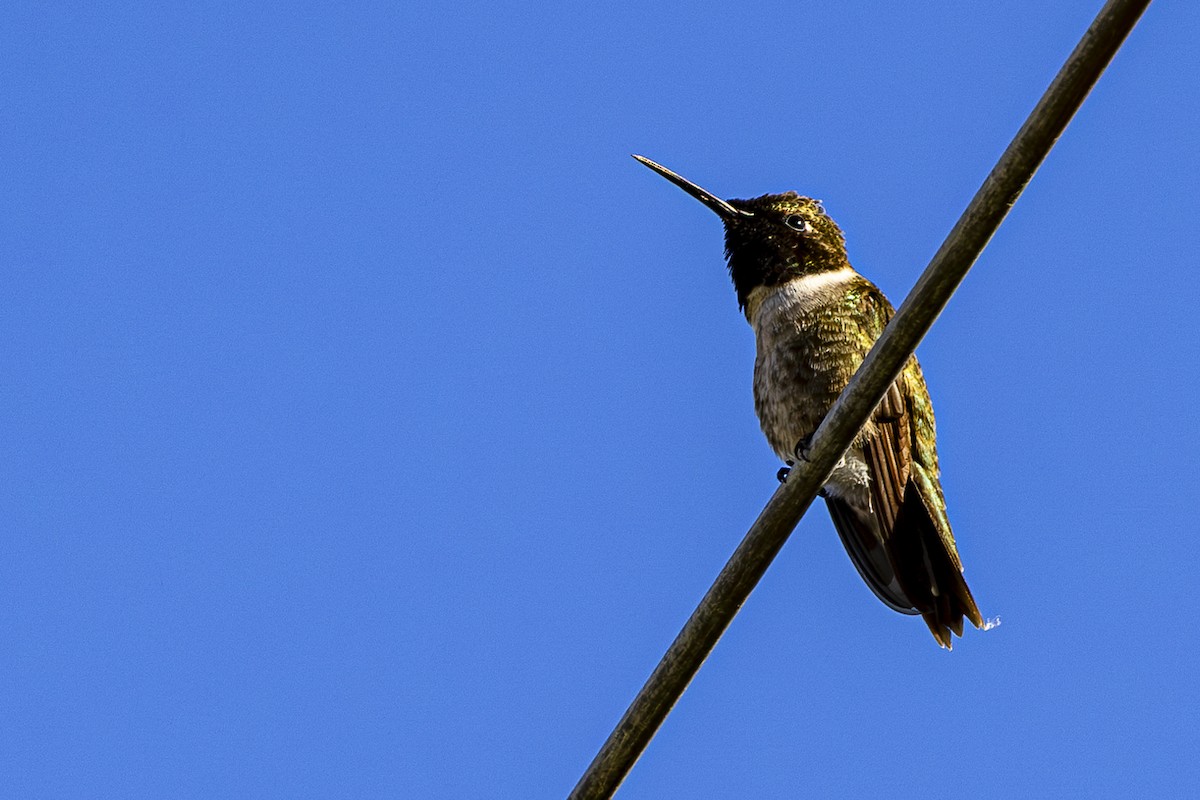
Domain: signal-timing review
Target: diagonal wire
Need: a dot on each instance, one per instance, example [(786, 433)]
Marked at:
[(899, 340)]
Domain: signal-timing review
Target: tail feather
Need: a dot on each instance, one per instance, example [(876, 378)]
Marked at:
[(956, 625), (939, 631), (927, 571)]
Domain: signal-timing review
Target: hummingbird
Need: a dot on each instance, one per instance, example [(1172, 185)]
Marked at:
[(815, 319)]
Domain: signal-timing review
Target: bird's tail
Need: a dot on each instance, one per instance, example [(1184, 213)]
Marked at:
[(911, 568), (928, 569)]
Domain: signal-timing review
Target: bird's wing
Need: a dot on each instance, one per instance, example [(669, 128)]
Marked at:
[(867, 552), (906, 497), (854, 518)]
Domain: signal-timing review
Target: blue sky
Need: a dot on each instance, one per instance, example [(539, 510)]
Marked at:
[(373, 422)]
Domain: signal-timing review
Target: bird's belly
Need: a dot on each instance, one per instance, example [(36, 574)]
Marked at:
[(792, 394), (795, 385)]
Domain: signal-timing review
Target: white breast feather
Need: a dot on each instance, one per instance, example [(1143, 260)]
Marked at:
[(766, 305)]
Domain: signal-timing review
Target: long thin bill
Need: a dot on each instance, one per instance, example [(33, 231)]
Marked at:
[(719, 206)]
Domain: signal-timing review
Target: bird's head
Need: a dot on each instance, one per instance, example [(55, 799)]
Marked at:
[(770, 239)]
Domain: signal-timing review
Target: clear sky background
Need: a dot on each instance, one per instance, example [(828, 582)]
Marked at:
[(372, 422)]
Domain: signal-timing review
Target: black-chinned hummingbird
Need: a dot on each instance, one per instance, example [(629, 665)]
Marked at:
[(814, 319)]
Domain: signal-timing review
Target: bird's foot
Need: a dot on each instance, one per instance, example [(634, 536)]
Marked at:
[(802, 447), (783, 473)]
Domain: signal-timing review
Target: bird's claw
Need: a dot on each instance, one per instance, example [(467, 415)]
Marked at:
[(802, 447), (783, 473)]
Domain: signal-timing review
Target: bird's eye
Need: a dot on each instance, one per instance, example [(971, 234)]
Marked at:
[(798, 223)]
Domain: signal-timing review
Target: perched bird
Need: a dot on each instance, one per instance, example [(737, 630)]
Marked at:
[(814, 320)]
